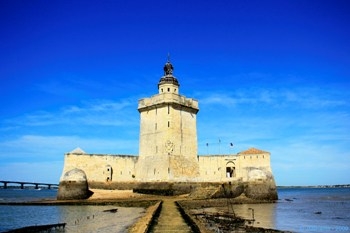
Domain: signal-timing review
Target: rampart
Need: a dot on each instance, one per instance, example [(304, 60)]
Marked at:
[(248, 172)]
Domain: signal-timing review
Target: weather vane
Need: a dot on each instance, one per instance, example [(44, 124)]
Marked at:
[(168, 68)]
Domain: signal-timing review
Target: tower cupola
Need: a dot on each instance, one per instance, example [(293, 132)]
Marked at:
[(168, 83)]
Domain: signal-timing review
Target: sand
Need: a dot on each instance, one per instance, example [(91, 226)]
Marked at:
[(102, 194)]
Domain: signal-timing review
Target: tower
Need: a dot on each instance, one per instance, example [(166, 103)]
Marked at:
[(168, 133)]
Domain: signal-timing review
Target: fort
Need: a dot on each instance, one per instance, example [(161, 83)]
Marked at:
[(168, 162)]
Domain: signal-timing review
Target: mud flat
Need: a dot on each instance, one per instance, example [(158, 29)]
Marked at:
[(225, 222), (201, 215), (218, 215)]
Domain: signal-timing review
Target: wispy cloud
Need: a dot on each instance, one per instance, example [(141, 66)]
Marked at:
[(307, 130), (97, 112), (47, 148), (310, 98), (310, 163)]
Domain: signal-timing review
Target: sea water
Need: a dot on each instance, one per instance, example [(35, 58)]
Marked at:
[(297, 210), (313, 209), (86, 218), (302, 210)]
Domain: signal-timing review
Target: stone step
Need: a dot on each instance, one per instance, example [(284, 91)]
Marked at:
[(170, 219)]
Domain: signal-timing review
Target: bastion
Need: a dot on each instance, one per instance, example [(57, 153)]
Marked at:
[(168, 162)]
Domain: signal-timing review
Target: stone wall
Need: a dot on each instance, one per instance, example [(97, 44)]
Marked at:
[(213, 168), (101, 167), (250, 168)]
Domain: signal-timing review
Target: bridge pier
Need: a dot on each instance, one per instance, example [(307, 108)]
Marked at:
[(5, 185), (22, 185)]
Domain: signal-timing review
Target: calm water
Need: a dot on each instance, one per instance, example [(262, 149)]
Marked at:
[(78, 218), (298, 210), (301, 210)]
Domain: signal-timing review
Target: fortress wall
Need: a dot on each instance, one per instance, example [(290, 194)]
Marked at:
[(121, 168), (255, 160), (214, 168), (232, 167), (210, 168), (249, 162), (102, 168), (152, 168)]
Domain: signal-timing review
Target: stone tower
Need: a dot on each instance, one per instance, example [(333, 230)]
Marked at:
[(168, 134)]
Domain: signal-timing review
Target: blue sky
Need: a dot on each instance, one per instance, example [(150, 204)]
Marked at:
[(267, 74)]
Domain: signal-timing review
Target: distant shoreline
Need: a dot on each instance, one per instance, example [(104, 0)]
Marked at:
[(315, 186), (278, 186)]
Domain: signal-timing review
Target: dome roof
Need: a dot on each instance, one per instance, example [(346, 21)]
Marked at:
[(168, 77)]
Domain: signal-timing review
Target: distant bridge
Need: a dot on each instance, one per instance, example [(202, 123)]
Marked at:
[(5, 182)]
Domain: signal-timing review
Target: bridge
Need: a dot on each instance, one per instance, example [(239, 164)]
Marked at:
[(6, 182)]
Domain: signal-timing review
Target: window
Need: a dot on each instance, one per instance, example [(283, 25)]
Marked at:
[(168, 109), (168, 123), (168, 89), (230, 169)]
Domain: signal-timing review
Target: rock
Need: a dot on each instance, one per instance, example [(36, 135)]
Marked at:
[(229, 190), (261, 185), (112, 210), (73, 186)]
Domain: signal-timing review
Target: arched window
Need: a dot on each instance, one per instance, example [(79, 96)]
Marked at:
[(230, 169)]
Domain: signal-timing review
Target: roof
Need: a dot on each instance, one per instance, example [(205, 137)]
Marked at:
[(253, 151), (77, 151), (168, 75)]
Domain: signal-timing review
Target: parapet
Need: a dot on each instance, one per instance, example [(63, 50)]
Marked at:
[(166, 98)]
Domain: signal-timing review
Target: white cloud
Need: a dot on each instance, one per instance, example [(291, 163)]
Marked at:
[(97, 112), (47, 148), (305, 98), (46, 172), (307, 130)]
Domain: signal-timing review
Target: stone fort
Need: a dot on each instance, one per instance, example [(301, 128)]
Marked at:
[(168, 162)]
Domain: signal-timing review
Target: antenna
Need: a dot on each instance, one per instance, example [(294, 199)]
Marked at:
[(168, 57)]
